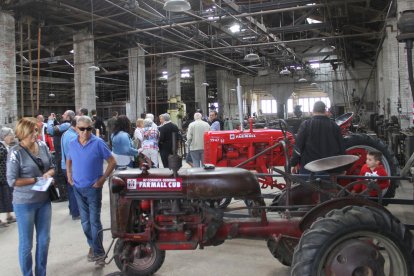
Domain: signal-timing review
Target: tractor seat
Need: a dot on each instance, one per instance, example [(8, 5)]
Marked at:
[(331, 164)]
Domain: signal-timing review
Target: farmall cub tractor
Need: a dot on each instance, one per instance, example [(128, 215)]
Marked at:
[(336, 233)]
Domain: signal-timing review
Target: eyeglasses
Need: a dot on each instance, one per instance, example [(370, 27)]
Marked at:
[(85, 128)]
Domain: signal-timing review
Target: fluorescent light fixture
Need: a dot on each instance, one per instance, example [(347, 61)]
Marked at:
[(177, 5), (68, 63), (185, 70), (164, 72), (249, 37), (235, 28), (312, 21), (93, 68), (52, 61), (233, 89), (285, 72), (185, 75), (315, 65), (302, 80), (251, 57)]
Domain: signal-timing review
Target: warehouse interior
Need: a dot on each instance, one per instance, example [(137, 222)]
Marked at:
[(141, 56)]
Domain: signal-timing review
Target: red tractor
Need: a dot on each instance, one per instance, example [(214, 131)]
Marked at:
[(255, 150), (155, 210)]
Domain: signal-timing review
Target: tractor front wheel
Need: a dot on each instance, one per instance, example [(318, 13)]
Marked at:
[(138, 259), (354, 241)]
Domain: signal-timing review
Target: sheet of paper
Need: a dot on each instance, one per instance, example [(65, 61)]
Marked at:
[(43, 184)]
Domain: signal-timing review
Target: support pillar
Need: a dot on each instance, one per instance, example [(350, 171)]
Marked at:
[(8, 93), (199, 88), (175, 105), (84, 60), (224, 97), (137, 89), (174, 77)]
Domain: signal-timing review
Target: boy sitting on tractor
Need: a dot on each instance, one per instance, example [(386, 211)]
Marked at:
[(373, 167)]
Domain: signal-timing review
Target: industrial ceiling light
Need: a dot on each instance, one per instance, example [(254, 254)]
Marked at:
[(285, 72), (302, 79), (314, 84), (93, 68), (177, 5), (251, 57), (51, 95), (235, 28), (205, 84)]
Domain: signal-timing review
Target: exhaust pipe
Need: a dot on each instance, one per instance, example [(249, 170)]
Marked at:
[(240, 103)]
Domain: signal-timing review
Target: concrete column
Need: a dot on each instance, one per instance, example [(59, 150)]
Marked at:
[(174, 77), (84, 59), (137, 89), (224, 97), (200, 90), (8, 97)]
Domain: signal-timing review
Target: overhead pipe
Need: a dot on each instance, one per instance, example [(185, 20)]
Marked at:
[(39, 31), (21, 70), (265, 44), (167, 26), (30, 65)]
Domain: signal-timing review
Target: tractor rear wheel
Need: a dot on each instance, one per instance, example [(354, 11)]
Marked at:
[(138, 259), (360, 144), (354, 240)]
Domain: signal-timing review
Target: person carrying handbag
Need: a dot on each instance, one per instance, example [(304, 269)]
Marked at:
[(27, 163)]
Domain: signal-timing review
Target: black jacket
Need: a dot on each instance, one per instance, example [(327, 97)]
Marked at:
[(317, 138), (165, 141)]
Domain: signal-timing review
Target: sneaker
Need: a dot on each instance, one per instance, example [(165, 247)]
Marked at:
[(100, 262), (90, 255)]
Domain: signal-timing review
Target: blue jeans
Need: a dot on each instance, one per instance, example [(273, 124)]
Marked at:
[(198, 157), (73, 204), (29, 216), (90, 202)]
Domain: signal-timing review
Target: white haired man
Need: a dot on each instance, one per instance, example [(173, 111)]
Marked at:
[(195, 139)]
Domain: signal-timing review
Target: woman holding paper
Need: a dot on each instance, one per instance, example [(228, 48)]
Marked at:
[(28, 163)]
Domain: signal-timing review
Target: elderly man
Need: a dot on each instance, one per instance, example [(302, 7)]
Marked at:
[(195, 139), (165, 142), (84, 165)]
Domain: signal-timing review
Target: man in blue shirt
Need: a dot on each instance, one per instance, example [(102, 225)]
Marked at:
[(67, 137), (84, 165)]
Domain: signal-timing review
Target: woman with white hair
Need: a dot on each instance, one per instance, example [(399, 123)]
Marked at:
[(6, 193), (150, 142)]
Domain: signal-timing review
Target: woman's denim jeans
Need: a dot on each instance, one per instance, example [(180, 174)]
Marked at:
[(30, 216)]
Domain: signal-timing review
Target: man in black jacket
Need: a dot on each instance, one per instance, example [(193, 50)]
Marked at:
[(166, 138), (317, 138)]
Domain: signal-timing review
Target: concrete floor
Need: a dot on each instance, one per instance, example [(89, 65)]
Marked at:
[(68, 249)]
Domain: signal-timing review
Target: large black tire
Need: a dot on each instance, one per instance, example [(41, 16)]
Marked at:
[(359, 144), (147, 265), (321, 245)]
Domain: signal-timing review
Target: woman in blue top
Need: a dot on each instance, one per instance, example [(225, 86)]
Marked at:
[(122, 146), (27, 163)]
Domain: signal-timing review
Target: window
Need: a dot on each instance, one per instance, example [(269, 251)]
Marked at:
[(307, 103), (268, 106)]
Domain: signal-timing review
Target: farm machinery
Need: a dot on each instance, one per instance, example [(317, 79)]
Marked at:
[(155, 210), (259, 150)]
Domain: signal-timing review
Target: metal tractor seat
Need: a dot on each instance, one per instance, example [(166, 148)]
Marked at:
[(331, 164)]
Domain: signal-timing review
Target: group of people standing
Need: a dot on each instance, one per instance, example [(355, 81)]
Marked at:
[(28, 163)]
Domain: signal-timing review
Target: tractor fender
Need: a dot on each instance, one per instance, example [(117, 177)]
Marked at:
[(322, 209)]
